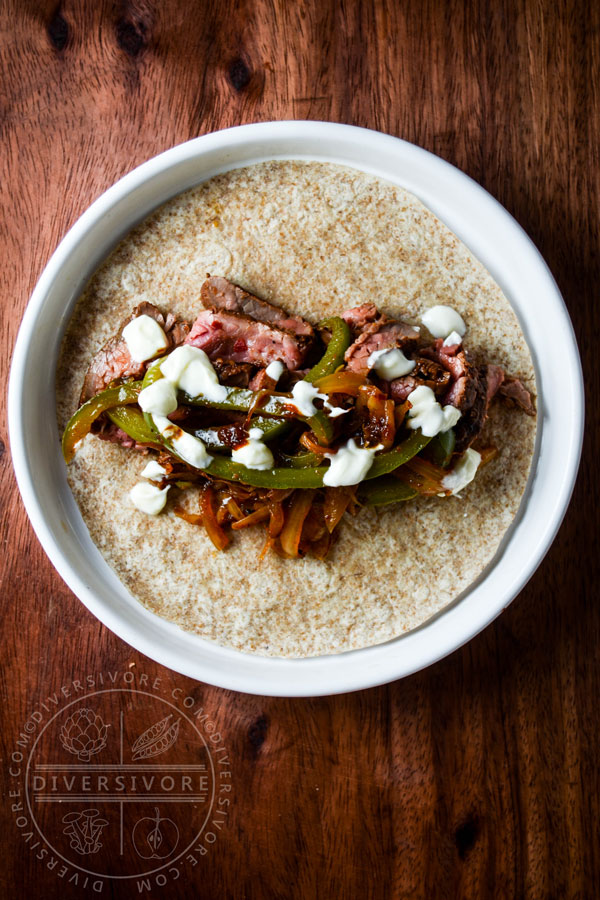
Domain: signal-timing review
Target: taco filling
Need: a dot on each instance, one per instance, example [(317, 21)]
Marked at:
[(341, 406), (287, 426)]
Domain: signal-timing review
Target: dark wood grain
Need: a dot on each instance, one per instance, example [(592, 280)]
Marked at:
[(477, 778)]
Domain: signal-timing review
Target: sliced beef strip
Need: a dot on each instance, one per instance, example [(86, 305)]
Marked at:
[(360, 316), (495, 377), (514, 392), (175, 330), (400, 388), (114, 360), (426, 372), (472, 390), (456, 361), (462, 392), (473, 403), (108, 431), (468, 391), (511, 389), (240, 339), (220, 294), (381, 334)]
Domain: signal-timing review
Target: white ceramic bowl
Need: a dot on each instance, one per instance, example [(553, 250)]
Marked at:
[(491, 234)]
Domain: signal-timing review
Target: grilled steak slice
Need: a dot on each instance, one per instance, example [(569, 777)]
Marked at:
[(380, 334), (360, 316), (471, 399), (495, 377), (456, 361), (220, 294), (427, 372), (462, 391), (108, 431), (472, 390), (243, 340), (513, 391), (468, 391), (114, 360)]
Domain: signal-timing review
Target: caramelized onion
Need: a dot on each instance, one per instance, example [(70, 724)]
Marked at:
[(487, 454), (207, 518), (314, 524), (308, 441), (378, 416), (259, 515), (266, 547), (321, 547), (276, 520), (423, 476), (341, 383), (296, 514), (337, 501), (234, 510)]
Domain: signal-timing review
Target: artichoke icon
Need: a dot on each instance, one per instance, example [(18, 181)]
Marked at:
[(84, 734)]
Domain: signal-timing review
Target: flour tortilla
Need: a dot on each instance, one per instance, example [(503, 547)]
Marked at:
[(317, 239)]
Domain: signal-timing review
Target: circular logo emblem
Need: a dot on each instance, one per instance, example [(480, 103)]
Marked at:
[(120, 783)]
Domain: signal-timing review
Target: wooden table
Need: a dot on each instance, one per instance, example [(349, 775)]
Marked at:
[(478, 777)]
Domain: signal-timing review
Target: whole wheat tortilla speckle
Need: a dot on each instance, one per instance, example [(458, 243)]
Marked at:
[(317, 239)]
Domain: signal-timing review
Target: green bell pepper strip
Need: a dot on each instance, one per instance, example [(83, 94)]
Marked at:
[(280, 406), (131, 420), (383, 490), (313, 478), (300, 460), (284, 478), (242, 399), (270, 430), (341, 338), (153, 373), (81, 422), (392, 459), (441, 448)]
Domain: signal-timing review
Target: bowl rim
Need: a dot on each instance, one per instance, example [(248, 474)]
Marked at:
[(441, 186)]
